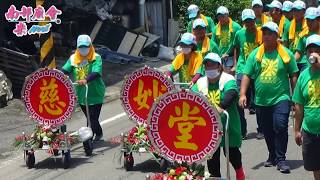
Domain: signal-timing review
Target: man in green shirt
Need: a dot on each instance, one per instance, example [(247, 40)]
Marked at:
[(221, 90), (223, 34), (312, 17), (204, 44), (246, 40), (290, 37), (287, 10), (269, 66), (86, 67), (307, 108), (194, 13), (277, 16), (261, 18)]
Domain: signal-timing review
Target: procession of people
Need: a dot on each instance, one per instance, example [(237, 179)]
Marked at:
[(269, 62)]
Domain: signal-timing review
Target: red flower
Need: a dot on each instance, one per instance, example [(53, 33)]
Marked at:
[(180, 170), (133, 130)]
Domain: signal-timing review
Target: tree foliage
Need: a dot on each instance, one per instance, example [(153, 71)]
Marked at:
[(209, 8)]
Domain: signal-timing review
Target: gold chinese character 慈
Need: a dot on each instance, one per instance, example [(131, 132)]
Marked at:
[(49, 99), (186, 119), (143, 94)]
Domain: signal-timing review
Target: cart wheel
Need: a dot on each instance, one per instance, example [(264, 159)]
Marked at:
[(88, 147), (128, 161), (66, 159), (55, 152), (30, 159), (163, 165)]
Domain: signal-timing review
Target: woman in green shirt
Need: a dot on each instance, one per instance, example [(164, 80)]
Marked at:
[(86, 68), (188, 63), (222, 91)]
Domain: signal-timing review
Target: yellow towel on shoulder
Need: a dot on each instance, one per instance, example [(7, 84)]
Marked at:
[(195, 62), (281, 51)]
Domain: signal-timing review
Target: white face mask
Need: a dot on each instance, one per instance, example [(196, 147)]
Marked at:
[(84, 51), (211, 74), (186, 50)]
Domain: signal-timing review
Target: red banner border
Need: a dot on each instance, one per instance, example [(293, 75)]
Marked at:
[(128, 80), (159, 144), (25, 95)]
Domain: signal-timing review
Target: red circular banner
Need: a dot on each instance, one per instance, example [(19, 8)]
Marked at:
[(140, 89), (49, 96), (184, 126)]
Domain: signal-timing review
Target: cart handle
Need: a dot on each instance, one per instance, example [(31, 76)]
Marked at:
[(86, 102), (226, 144)]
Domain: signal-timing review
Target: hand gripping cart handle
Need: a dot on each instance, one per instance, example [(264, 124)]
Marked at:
[(85, 133)]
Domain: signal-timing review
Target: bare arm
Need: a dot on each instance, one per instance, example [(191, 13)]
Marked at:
[(245, 82), (297, 55), (293, 80), (298, 121)]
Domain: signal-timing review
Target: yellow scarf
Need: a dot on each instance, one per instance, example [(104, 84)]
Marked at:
[(304, 32), (281, 25), (195, 62), (205, 45), (281, 51), (90, 57), (258, 39), (292, 30), (264, 18), (218, 33), (203, 17)]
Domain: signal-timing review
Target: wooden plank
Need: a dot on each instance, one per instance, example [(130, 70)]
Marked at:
[(127, 43)]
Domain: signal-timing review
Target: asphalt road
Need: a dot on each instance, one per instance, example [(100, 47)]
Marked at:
[(104, 164)]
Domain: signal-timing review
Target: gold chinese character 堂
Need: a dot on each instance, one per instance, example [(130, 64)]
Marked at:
[(186, 120)]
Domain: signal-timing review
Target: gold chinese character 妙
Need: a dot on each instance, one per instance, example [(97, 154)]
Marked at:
[(143, 94), (49, 99), (186, 119)]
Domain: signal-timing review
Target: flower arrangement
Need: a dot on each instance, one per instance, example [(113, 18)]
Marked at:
[(45, 137), (138, 138), (182, 171)]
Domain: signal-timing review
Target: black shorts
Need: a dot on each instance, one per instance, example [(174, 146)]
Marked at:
[(310, 151)]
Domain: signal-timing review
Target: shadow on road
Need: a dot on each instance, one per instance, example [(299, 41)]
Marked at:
[(77, 156), (294, 164), (149, 166)]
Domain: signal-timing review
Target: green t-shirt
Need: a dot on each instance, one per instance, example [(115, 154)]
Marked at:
[(184, 75), (271, 77), (213, 48), (96, 87), (301, 48), (209, 28), (215, 96), (225, 40), (307, 93), (246, 42), (292, 43)]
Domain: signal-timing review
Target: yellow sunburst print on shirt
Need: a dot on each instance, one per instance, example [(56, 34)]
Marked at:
[(224, 38), (185, 75), (314, 93), (214, 97), (82, 72), (248, 48), (269, 70)]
